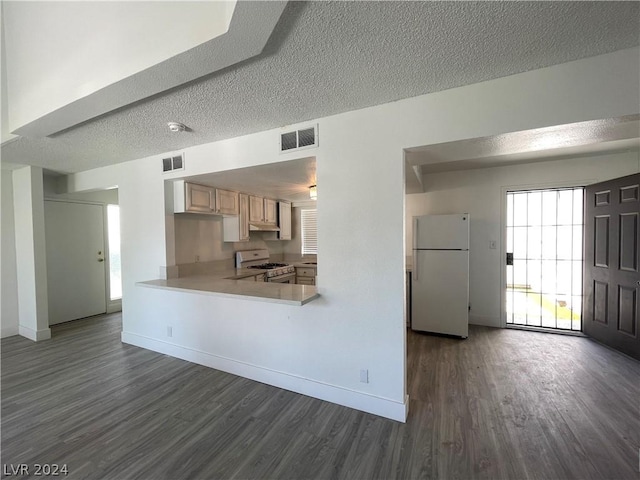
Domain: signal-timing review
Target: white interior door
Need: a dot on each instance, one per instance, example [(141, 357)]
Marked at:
[(76, 274)]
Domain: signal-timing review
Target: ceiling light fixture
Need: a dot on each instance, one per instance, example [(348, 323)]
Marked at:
[(177, 127), (313, 192)]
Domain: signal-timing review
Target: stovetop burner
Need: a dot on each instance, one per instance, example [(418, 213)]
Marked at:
[(266, 266)]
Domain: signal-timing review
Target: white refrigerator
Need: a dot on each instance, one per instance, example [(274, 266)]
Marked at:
[(440, 274)]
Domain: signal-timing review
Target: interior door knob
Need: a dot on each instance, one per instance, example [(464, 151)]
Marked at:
[(101, 259)]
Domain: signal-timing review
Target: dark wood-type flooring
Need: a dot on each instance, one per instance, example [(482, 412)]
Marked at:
[(501, 404)]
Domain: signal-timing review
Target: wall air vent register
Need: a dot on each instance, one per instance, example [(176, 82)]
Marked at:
[(299, 139), (175, 162)]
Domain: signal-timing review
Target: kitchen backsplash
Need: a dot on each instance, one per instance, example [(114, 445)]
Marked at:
[(199, 240)]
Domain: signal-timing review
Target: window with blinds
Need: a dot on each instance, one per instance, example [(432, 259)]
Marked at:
[(309, 232)]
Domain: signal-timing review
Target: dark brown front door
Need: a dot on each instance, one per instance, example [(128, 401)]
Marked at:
[(611, 277)]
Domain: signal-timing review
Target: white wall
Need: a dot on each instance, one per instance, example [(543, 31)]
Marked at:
[(480, 193), (51, 187), (31, 262), (358, 323), (8, 288)]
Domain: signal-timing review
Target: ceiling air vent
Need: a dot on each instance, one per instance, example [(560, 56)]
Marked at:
[(175, 162), (299, 139)]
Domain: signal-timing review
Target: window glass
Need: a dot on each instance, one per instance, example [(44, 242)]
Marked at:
[(115, 267), (309, 232)]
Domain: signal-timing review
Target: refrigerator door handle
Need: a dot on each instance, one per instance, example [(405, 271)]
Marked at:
[(414, 267), (415, 245)]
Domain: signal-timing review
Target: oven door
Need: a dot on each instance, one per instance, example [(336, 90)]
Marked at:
[(286, 278)]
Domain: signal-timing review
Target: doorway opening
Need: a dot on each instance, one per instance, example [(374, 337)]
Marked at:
[(544, 231)]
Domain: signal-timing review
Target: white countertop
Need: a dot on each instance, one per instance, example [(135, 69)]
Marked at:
[(305, 265), (218, 284)]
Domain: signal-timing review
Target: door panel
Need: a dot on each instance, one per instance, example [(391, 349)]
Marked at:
[(76, 272), (601, 241), (611, 275), (628, 242)]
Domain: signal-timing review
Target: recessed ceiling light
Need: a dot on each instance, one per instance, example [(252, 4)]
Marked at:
[(177, 127)]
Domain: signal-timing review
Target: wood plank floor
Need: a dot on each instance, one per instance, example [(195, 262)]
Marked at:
[(501, 404)]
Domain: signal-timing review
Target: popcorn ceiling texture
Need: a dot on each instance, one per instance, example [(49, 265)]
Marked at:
[(326, 58)]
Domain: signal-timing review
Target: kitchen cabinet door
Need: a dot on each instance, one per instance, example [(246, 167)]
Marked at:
[(236, 228), (284, 220), (270, 211), (305, 275), (194, 198), (199, 198), (243, 217), (256, 209), (227, 202)]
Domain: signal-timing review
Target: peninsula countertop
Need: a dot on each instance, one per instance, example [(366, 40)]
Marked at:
[(221, 285)]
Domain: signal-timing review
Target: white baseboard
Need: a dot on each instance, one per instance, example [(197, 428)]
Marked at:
[(114, 306), (331, 393), (9, 331), (35, 335), (486, 320)]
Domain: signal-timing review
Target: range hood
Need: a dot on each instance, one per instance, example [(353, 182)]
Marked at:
[(263, 227)]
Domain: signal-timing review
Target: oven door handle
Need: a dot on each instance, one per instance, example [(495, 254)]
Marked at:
[(281, 278)]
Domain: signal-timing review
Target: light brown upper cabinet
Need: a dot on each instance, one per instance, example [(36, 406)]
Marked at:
[(270, 211), (194, 198), (284, 220), (236, 228), (227, 202), (256, 209)]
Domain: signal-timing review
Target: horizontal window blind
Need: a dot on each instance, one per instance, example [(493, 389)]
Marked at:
[(309, 232)]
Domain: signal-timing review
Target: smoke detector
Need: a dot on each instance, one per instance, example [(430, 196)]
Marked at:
[(176, 127)]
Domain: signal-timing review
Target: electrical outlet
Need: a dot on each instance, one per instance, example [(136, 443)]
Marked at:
[(493, 244), (364, 376), (169, 331)]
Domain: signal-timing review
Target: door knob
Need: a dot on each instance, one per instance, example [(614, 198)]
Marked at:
[(101, 259)]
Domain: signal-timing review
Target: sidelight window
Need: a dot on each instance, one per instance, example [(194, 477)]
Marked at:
[(115, 266), (544, 243)]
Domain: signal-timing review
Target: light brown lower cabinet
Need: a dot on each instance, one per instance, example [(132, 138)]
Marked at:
[(305, 276), (256, 278)]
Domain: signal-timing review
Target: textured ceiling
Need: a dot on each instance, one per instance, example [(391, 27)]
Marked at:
[(284, 180), (539, 144), (325, 58)]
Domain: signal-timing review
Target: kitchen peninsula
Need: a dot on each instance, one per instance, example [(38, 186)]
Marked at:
[(231, 284)]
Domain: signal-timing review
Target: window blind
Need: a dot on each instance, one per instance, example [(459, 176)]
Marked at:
[(309, 232)]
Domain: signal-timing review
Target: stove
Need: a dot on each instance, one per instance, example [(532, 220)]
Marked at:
[(273, 272), (265, 266)]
